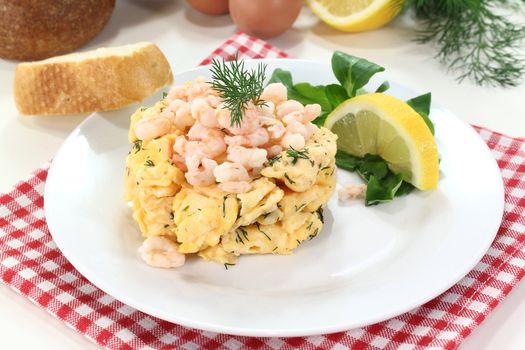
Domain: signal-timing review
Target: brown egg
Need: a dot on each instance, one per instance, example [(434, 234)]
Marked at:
[(210, 7), (264, 18)]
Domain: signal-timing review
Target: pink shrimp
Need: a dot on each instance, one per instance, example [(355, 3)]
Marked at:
[(200, 172), (249, 122), (275, 92), (257, 138), (148, 129), (250, 158), (204, 113), (178, 112), (311, 112), (288, 107), (293, 140), (274, 150), (229, 171)]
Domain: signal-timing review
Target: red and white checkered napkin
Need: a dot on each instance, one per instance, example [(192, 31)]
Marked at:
[(31, 264)]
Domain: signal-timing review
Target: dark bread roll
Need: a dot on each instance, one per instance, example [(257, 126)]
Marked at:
[(34, 30)]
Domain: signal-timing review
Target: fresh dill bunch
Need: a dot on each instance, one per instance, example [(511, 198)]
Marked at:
[(237, 86), (474, 38)]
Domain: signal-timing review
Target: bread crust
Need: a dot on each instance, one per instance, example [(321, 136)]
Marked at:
[(90, 84), (34, 30)]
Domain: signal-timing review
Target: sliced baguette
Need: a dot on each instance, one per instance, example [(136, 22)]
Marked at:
[(100, 80)]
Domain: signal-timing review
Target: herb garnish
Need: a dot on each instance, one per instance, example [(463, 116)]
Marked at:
[(149, 162), (137, 146), (244, 234), (320, 214), (476, 38), (228, 264), (274, 159), (224, 206), (295, 154), (237, 86), (288, 178), (164, 94), (264, 233)]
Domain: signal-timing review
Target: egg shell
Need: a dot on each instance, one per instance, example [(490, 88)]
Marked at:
[(264, 18), (210, 7)]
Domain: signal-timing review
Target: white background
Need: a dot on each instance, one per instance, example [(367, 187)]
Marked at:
[(188, 37)]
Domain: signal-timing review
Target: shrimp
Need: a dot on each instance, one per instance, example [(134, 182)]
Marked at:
[(212, 138), (235, 186), (204, 142), (249, 123), (159, 251), (274, 150), (276, 131), (203, 112), (250, 158), (267, 109), (198, 175), (179, 92), (178, 111), (275, 92), (293, 140), (148, 129), (350, 191), (288, 107), (311, 112), (259, 137), (200, 88), (297, 127), (229, 171), (179, 162)]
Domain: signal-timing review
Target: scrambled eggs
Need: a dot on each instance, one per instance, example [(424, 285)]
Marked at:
[(281, 207)]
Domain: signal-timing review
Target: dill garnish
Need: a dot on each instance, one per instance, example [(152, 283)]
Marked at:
[(274, 159), (320, 214), (228, 264), (186, 208), (137, 146), (288, 178), (313, 235), (476, 39), (149, 162), (164, 94), (295, 154), (298, 208), (237, 86), (142, 109), (264, 233), (224, 206)]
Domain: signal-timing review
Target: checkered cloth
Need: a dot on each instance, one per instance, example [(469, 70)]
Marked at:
[(31, 264)]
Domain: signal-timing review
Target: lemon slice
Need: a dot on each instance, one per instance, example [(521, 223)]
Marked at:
[(384, 125), (355, 15)]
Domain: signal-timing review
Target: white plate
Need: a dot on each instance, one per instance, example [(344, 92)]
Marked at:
[(368, 264)]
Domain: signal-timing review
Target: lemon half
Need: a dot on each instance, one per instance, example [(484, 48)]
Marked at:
[(384, 125), (355, 15)]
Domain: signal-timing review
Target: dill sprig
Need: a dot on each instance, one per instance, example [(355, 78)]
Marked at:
[(237, 86), (296, 154), (475, 38)]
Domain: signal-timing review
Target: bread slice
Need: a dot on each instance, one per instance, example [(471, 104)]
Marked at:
[(100, 80)]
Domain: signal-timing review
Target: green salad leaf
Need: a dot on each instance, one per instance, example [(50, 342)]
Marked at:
[(382, 184), (353, 72), (421, 104)]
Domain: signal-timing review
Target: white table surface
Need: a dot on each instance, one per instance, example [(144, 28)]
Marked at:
[(187, 37)]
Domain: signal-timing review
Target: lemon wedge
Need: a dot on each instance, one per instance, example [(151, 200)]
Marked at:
[(355, 15), (384, 125)]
